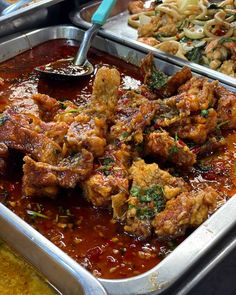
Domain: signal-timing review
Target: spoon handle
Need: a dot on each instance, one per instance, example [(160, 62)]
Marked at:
[(103, 11), (98, 19)]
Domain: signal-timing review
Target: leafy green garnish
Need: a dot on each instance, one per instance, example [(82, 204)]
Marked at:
[(176, 137), (62, 105), (204, 113), (173, 150), (35, 214), (124, 135), (157, 80), (214, 6), (107, 161), (185, 40), (73, 111), (195, 54), (153, 194), (135, 191), (3, 119), (227, 39), (219, 125)]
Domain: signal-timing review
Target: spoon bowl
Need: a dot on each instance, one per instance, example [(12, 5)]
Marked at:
[(80, 66)]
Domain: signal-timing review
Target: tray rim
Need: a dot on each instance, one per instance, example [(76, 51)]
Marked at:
[(28, 9), (142, 284)]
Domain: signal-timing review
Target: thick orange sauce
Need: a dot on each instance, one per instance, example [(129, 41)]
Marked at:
[(86, 233)]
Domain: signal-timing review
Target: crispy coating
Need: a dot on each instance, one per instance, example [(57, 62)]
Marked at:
[(172, 84), (87, 132), (134, 112), (161, 144), (195, 95), (226, 109), (196, 127), (109, 178), (105, 91), (43, 179), (151, 187), (189, 209)]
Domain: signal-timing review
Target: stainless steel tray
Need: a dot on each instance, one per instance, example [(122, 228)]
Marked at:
[(34, 15), (53, 263), (116, 28)]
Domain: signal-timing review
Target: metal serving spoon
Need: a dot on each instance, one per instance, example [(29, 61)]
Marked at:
[(80, 66)]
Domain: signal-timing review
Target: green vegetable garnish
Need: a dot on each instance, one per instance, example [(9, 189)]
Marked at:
[(157, 80), (124, 135), (219, 125), (173, 150), (153, 195), (227, 39), (195, 54), (107, 161), (214, 6), (36, 214), (3, 119), (62, 105), (204, 113)]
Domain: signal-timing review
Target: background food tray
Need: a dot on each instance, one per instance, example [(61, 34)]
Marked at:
[(118, 29), (55, 265)]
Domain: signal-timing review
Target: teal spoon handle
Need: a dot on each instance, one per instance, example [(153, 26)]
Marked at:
[(103, 11)]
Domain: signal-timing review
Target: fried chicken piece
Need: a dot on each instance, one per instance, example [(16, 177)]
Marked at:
[(187, 210), (212, 144), (87, 132), (134, 112), (17, 132), (105, 92), (226, 109), (109, 178), (196, 127), (43, 179), (3, 157), (158, 82), (137, 6), (151, 187), (161, 144), (195, 95), (48, 106)]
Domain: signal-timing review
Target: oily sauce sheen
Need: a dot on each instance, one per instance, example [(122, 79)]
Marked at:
[(85, 233)]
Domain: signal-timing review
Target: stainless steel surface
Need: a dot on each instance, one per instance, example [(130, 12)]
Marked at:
[(62, 271), (174, 266), (15, 6), (118, 30), (28, 17)]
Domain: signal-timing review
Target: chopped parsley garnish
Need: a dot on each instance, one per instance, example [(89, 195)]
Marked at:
[(124, 135), (173, 150), (176, 136), (157, 80), (107, 161), (204, 113), (153, 195), (62, 105)]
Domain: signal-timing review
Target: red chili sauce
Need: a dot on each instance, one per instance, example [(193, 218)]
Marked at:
[(85, 233)]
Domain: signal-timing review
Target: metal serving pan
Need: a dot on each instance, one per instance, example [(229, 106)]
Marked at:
[(62, 271), (116, 28), (21, 18)]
